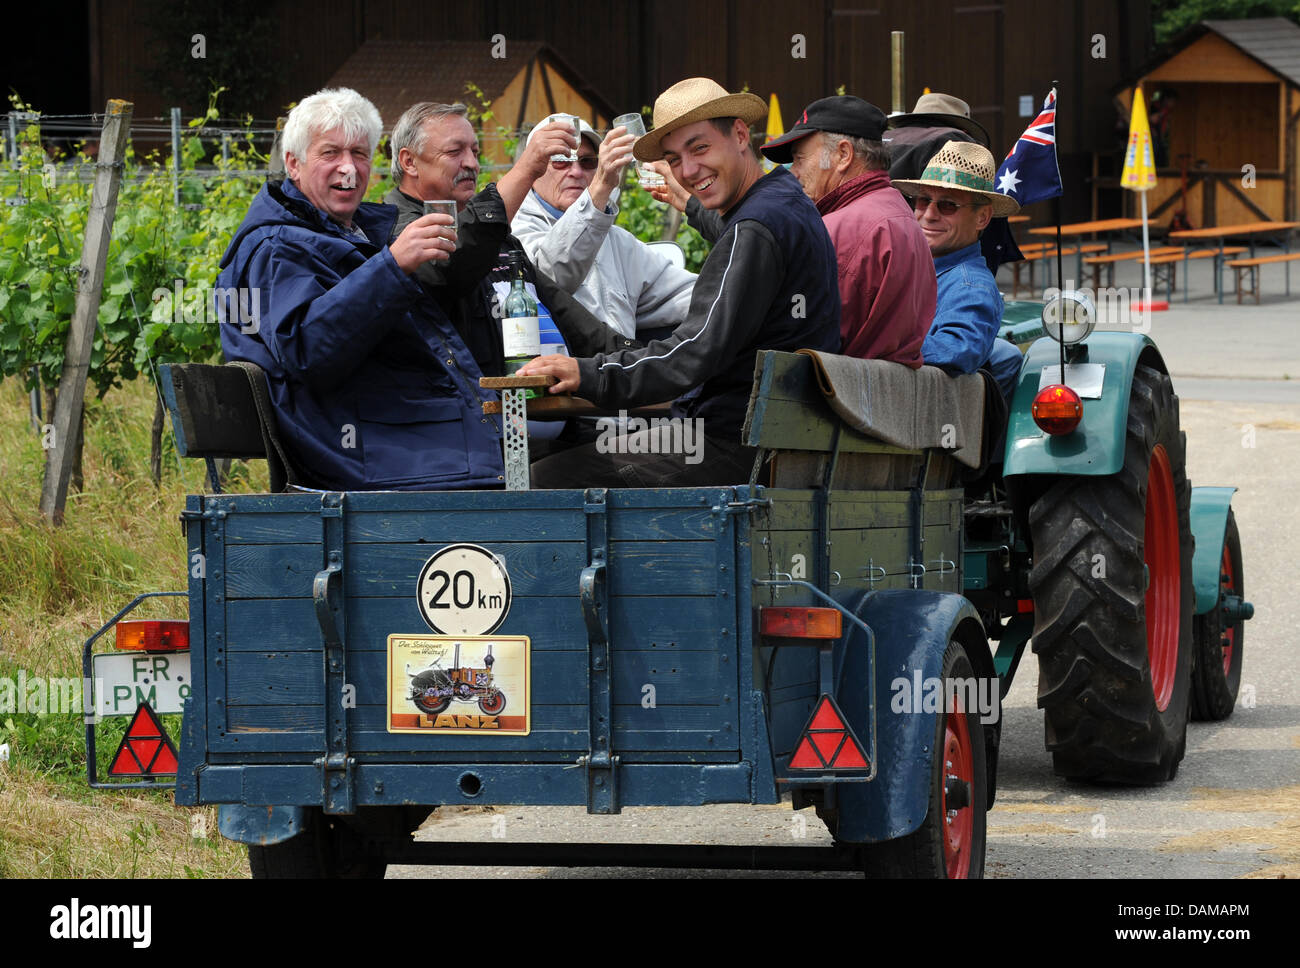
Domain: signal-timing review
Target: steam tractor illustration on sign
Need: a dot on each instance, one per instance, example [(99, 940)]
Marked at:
[(433, 689)]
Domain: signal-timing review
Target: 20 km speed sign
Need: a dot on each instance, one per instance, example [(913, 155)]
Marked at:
[(463, 590)]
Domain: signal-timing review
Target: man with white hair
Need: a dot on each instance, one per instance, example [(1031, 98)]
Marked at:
[(363, 367), (566, 224)]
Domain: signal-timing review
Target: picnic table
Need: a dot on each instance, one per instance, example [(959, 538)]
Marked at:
[(1248, 230), (1077, 230)]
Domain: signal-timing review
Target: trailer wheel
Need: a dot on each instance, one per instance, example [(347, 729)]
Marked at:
[(326, 847), (1216, 675), (950, 842), (1112, 589)]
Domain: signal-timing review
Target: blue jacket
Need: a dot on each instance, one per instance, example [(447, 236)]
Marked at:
[(373, 387), (967, 314)]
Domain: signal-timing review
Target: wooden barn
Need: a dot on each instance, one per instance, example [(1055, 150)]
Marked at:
[(524, 81), (1224, 103)]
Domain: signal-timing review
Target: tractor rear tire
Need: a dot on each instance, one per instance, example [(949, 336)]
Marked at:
[(1217, 673), (1112, 590), (320, 850), (950, 842)]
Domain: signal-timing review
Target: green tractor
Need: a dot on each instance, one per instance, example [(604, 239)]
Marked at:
[(1090, 540)]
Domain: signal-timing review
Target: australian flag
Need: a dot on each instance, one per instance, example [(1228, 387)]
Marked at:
[(1030, 172)]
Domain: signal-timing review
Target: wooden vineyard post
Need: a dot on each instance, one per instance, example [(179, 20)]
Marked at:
[(81, 336)]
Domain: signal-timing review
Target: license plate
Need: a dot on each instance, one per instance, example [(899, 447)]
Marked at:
[(123, 680), (462, 684)]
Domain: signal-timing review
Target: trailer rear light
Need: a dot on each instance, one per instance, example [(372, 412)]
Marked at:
[(153, 635), (1057, 409), (800, 622)]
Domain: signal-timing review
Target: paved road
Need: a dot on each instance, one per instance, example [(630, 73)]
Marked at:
[(1234, 808)]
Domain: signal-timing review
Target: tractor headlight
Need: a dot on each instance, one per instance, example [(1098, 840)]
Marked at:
[(1069, 316)]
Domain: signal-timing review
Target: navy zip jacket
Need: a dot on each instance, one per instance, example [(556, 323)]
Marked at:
[(373, 387)]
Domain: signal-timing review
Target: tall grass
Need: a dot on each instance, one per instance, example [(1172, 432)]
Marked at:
[(120, 536)]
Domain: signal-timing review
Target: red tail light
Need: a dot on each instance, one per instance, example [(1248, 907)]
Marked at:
[(1057, 409), (153, 635), (800, 622)]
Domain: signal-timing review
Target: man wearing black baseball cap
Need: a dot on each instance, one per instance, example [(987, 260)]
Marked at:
[(886, 273)]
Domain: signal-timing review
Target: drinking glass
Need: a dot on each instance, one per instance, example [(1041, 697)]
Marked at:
[(444, 207), (635, 125)]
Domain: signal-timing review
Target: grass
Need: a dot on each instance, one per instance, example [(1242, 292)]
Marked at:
[(121, 536)]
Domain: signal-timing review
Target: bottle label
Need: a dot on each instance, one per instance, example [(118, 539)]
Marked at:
[(520, 336)]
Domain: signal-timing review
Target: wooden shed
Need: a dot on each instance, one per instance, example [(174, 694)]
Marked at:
[(1224, 106), (524, 81)]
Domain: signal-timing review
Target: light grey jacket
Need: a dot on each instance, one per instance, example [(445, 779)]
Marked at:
[(606, 268)]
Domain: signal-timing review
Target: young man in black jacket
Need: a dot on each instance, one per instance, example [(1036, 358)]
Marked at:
[(770, 282)]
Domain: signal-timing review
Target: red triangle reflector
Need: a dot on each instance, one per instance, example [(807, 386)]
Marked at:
[(827, 743), (805, 757), (145, 750)]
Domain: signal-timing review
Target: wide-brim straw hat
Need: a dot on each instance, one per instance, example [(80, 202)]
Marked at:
[(691, 100), (965, 166), (941, 111)]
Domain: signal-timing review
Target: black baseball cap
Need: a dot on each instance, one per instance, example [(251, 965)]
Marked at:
[(842, 114)]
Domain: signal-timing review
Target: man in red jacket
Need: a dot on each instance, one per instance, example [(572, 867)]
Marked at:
[(886, 272)]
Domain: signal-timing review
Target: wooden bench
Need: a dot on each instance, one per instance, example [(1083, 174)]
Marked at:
[(1036, 251), (1241, 266), (1108, 261), (1164, 268)]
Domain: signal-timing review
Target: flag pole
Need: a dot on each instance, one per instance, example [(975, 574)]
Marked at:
[(1060, 273)]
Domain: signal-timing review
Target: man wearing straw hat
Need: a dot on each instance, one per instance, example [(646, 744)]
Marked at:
[(913, 139), (770, 282), (954, 201)]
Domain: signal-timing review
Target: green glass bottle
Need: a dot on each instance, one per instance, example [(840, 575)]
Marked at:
[(519, 332)]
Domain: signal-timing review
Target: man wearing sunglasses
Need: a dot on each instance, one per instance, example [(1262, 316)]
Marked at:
[(567, 227), (954, 201)]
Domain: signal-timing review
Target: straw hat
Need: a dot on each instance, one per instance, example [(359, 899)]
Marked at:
[(941, 111), (691, 100), (965, 166)]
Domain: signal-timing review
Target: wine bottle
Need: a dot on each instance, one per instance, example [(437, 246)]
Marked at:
[(519, 331)]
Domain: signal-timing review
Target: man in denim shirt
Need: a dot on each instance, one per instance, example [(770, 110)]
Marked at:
[(954, 202)]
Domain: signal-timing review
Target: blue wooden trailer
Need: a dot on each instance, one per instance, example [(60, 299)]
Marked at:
[(823, 630)]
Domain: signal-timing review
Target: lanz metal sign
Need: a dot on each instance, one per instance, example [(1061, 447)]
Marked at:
[(123, 680)]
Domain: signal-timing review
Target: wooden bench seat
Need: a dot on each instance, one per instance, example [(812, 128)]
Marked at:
[(1242, 266), (1035, 252), (1109, 260)]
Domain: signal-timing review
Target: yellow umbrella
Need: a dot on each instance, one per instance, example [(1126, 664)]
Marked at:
[(1139, 175), (1139, 165)]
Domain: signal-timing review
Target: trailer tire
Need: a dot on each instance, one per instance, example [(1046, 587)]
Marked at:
[(950, 842), (1112, 589), (325, 848), (1216, 675)]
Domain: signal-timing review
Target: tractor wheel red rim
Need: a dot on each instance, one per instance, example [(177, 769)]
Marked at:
[(1164, 577), (958, 824), (1227, 586)]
